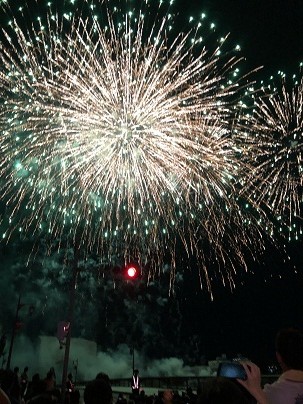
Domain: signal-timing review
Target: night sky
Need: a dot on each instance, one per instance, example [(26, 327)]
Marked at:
[(271, 35), (270, 32), (269, 296)]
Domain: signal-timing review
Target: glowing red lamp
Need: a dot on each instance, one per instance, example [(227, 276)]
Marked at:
[(132, 272)]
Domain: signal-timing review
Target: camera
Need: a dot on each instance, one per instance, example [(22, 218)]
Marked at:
[(231, 370)]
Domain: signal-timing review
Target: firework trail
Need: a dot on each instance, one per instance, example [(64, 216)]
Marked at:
[(116, 130), (276, 152)]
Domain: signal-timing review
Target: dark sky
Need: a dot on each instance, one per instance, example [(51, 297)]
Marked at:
[(270, 32), (246, 320)]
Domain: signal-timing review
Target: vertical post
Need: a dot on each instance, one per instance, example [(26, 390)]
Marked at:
[(75, 363), (133, 358), (70, 320), (8, 364)]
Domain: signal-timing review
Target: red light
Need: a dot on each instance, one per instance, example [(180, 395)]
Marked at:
[(131, 272)]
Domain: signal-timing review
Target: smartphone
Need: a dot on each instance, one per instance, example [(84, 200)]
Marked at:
[(232, 370)]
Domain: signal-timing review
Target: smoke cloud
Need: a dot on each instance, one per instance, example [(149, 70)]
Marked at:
[(86, 361)]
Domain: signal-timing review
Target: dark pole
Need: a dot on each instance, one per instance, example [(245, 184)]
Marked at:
[(76, 370), (8, 364), (70, 320), (133, 358)]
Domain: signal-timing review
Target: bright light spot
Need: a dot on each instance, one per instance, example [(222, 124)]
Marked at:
[(131, 272)]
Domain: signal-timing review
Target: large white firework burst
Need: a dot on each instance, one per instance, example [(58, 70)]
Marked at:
[(117, 131)]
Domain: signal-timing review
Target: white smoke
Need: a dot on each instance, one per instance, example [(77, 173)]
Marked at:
[(83, 353)]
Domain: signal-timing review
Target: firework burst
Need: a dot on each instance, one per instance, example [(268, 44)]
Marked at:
[(276, 154), (116, 131)]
